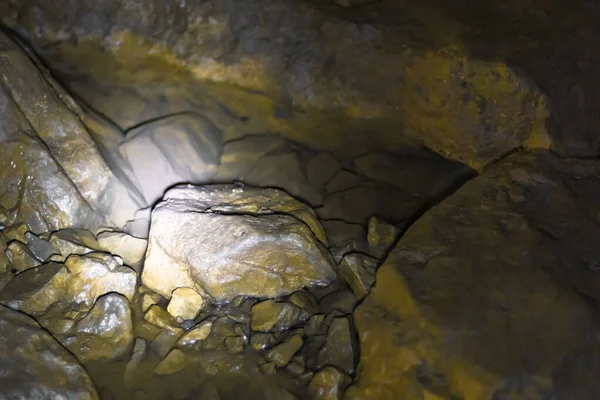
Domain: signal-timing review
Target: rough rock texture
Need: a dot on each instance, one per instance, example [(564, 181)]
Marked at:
[(129, 248), (270, 316), (340, 349), (358, 270), (54, 172), (329, 383), (295, 56), (105, 333), (177, 149), (381, 237), (257, 250), (34, 365), (489, 283), (80, 281), (185, 303)]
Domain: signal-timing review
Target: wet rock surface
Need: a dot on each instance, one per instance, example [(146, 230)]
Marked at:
[(224, 290), (486, 280), (34, 365), (229, 255)]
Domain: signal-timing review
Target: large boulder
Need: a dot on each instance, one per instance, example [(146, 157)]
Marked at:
[(482, 297), (228, 240), (33, 365), (54, 176)]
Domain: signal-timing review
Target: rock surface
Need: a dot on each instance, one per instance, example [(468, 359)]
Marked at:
[(68, 181), (34, 365), (271, 316), (185, 303), (228, 241), (485, 282), (177, 149), (105, 333)]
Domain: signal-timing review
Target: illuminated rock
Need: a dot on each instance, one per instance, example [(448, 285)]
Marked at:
[(230, 240), (34, 365), (480, 288)]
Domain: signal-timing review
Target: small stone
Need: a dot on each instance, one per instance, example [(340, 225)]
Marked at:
[(282, 353), (196, 334), (21, 257), (304, 301), (268, 368), (174, 362), (160, 317), (340, 347), (74, 241), (221, 329), (316, 325), (238, 316), (270, 316), (381, 237), (322, 168), (295, 368), (261, 341), (149, 299), (343, 300), (139, 350), (185, 303), (40, 248), (329, 383), (345, 238), (163, 342), (106, 332), (358, 270), (139, 227), (235, 344), (16, 232), (129, 248)]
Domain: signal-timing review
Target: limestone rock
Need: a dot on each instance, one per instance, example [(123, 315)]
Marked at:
[(160, 317), (40, 248), (171, 150), (34, 365), (358, 270), (485, 282), (329, 383), (139, 226), (80, 281), (281, 354), (21, 257), (322, 168), (196, 334), (185, 303), (174, 362), (129, 248), (271, 316), (139, 350), (74, 241), (148, 299), (304, 301), (342, 300), (105, 333), (381, 237), (165, 341), (227, 252), (262, 341), (341, 347), (60, 141), (345, 238)]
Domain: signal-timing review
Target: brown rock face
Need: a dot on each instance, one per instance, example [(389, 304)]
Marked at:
[(488, 282), (286, 58)]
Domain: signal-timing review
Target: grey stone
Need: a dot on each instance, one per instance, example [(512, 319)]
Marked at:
[(40, 248), (358, 270), (80, 281), (340, 348), (281, 354), (322, 168), (230, 255), (129, 248), (21, 257), (345, 238), (381, 237), (139, 227), (139, 351), (343, 300), (105, 333), (271, 316), (34, 365), (177, 149), (74, 241)]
